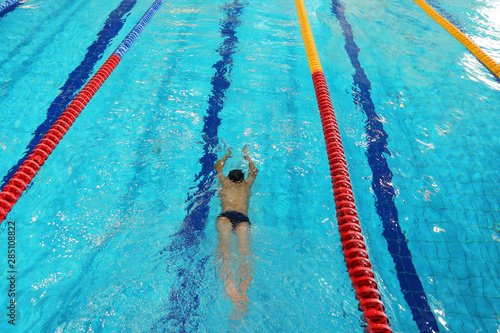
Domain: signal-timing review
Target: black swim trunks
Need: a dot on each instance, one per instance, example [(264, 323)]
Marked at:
[(235, 217)]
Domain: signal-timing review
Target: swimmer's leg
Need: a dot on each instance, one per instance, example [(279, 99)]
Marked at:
[(225, 229), (242, 232)]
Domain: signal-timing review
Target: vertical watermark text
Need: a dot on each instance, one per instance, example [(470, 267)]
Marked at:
[(11, 273)]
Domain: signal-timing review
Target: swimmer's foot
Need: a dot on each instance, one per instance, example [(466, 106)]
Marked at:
[(240, 307), (238, 299)]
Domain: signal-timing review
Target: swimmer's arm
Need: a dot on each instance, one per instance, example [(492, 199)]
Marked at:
[(220, 163), (252, 170)]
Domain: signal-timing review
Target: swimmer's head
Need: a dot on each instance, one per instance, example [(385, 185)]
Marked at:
[(236, 176)]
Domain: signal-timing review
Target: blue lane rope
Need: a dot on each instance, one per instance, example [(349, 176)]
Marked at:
[(136, 31), (7, 4)]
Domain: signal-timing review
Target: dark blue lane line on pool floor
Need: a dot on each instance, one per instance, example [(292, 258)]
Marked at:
[(78, 77), (184, 295), (8, 6), (410, 283)]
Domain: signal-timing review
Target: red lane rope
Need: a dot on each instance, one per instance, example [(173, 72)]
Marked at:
[(23, 176), (353, 245)]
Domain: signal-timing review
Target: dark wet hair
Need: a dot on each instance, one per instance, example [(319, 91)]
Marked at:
[(236, 176)]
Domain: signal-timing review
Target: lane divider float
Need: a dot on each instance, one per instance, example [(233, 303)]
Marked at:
[(7, 4), (462, 38), (353, 245), (27, 171)]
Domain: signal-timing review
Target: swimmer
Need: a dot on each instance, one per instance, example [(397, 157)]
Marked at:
[(235, 194)]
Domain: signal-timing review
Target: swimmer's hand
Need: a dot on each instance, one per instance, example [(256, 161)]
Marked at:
[(252, 170), (220, 163)]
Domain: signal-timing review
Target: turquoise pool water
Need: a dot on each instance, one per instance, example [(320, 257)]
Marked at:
[(117, 233)]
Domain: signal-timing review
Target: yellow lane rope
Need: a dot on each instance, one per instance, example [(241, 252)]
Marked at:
[(462, 38), (312, 53)]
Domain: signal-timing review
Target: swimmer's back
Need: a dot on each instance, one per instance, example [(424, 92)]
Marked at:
[(235, 196)]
